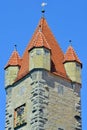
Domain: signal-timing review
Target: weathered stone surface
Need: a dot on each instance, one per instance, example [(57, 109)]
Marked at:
[(73, 70), (51, 102)]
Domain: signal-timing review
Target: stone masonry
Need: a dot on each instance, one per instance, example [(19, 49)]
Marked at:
[(52, 103)]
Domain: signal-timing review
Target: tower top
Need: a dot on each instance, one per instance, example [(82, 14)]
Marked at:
[(43, 37)]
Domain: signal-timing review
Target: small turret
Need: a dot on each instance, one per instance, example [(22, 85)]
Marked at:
[(39, 52), (72, 65), (12, 68)]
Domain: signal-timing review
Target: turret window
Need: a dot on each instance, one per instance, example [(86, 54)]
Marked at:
[(19, 116), (78, 66), (46, 52), (38, 52)]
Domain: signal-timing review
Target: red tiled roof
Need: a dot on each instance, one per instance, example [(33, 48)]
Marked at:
[(44, 37), (14, 60), (39, 40), (71, 55)]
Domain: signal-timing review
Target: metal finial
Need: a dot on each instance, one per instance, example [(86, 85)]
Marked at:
[(70, 41), (15, 46), (43, 10)]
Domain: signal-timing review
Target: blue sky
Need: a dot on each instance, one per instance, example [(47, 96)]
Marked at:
[(67, 20)]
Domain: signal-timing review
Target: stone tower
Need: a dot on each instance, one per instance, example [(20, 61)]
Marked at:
[(43, 87)]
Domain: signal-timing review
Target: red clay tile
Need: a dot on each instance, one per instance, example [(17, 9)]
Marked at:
[(39, 40), (14, 60), (71, 55), (44, 37)]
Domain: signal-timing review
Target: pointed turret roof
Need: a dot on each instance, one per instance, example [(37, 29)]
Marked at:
[(39, 40), (14, 60), (71, 55), (43, 37)]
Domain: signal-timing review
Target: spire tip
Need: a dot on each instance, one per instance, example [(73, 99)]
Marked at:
[(15, 46)]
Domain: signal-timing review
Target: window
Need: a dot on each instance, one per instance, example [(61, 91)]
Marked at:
[(19, 116), (78, 118), (46, 52), (38, 52), (78, 66)]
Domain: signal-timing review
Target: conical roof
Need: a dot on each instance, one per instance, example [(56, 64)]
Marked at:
[(14, 60), (71, 55), (44, 37), (39, 40)]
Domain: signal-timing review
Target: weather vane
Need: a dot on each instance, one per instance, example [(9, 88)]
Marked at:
[(43, 10)]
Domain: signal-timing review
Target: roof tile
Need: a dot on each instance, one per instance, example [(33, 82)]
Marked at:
[(71, 55), (39, 41), (44, 37), (14, 60)]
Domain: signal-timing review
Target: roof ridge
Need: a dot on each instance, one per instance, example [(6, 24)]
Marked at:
[(46, 40)]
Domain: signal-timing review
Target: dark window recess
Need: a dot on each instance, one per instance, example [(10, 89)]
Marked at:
[(47, 88), (78, 118), (10, 115), (36, 120), (7, 121), (41, 110), (60, 129), (46, 52), (9, 128), (7, 113), (78, 129), (35, 94), (41, 121), (34, 111), (41, 129)]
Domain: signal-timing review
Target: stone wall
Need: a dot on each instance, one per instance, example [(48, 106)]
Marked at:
[(50, 102)]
